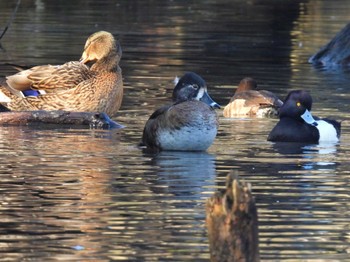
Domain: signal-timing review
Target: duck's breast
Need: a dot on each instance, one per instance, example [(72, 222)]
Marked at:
[(189, 126)]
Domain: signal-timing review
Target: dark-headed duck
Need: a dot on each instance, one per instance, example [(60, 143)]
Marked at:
[(189, 124), (296, 123)]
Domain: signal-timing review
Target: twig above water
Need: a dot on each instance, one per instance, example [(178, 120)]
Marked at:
[(12, 17)]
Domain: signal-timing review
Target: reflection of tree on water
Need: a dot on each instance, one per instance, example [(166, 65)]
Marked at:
[(56, 190)]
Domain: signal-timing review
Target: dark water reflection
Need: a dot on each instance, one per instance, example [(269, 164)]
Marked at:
[(74, 194)]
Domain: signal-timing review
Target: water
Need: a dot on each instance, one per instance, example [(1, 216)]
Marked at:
[(80, 194)]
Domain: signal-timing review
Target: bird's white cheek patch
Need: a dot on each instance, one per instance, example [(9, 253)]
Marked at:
[(200, 93)]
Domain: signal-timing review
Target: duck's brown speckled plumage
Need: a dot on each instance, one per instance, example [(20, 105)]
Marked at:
[(73, 86)]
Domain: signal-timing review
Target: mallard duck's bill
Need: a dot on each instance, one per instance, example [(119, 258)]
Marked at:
[(83, 60)]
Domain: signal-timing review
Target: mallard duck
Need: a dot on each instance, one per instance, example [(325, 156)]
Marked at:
[(189, 124), (93, 84), (247, 101)]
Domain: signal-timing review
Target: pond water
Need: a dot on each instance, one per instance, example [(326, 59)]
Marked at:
[(77, 194)]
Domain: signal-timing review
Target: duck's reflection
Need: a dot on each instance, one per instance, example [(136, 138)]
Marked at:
[(302, 148), (186, 174), (322, 154)]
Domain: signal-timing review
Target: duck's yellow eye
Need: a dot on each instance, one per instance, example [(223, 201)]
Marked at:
[(298, 104)]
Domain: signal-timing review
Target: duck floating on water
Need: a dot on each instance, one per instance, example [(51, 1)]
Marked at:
[(297, 124), (93, 84), (189, 124), (247, 101)]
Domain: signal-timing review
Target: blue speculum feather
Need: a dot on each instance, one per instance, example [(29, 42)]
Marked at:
[(30, 93)]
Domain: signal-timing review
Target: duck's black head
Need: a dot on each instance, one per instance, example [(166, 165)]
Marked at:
[(296, 104), (192, 87)]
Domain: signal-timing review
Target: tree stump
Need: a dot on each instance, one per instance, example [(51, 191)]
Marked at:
[(336, 52), (93, 120), (232, 223)]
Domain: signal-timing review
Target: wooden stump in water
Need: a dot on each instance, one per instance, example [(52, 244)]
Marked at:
[(93, 120), (336, 52), (232, 223)]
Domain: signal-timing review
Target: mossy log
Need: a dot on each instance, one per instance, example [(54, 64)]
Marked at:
[(336, 52), (93, 120), (232, 223)]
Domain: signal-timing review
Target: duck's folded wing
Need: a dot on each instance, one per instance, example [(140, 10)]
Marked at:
[(149, 136), (64, 76), (272, 98), (50, 77), (262, 97)]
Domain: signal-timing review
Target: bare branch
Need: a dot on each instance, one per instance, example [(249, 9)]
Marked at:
[(12, 17)]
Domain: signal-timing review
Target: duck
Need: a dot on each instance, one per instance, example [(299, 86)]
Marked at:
[(92, 84), (247, 101), (190, 123), (296, 123)]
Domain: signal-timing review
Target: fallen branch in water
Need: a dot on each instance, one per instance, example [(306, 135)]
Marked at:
[(232, 223), (336, 52), (12, 17), (93, 120)]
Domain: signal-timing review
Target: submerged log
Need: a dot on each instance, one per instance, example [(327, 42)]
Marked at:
[(336, 52), (93, 120), (232, 223)]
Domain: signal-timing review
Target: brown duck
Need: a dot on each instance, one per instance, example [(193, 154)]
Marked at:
[(94, 84), (247, 101)]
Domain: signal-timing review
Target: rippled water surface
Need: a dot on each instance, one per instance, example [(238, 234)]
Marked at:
[(80, 194)]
